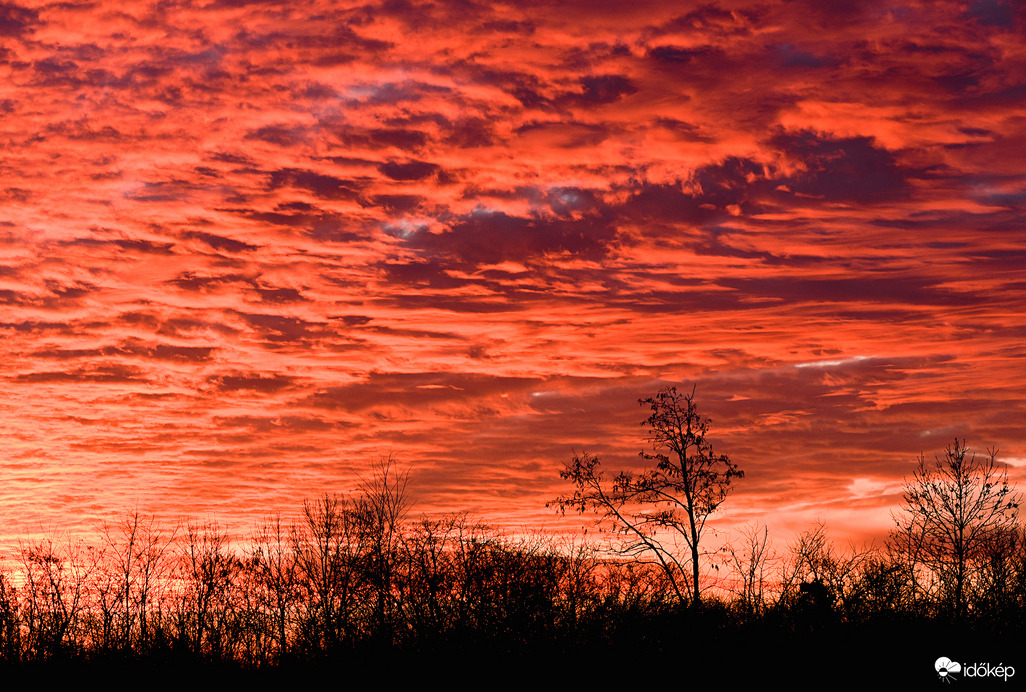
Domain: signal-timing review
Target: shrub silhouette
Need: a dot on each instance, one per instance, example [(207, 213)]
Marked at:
[(353, 578)]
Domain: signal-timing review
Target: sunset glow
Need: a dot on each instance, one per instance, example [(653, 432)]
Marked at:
[(249, 248)]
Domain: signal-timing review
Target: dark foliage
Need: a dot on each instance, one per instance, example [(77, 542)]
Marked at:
[(354, 583)]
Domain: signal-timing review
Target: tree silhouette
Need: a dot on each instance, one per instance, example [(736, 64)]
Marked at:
[(134, 563), (657, 508), (955, 509), (274, 563), (750, 559)]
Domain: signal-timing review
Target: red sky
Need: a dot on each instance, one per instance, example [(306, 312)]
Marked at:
[(249, 248)]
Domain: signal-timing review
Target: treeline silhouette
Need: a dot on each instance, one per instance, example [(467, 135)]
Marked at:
[(354, 577)]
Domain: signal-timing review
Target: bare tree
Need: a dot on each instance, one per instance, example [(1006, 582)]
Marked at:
[(750, 559), (657, 509), (209, 572), (1000, 575), (55, 575), (274, 564), (441, 557), (381, 511), (818, 574), (10, 625), (331, 554), (955, 508), (133, 565)]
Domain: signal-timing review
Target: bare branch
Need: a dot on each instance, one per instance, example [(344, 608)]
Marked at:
[(674, 498)]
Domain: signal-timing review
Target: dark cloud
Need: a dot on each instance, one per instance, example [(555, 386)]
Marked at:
[(353, 320), (285, 136), (182, 354), (713, 243), (267, 383), (412, 333), (328, 42), (409, 170), (850, 169), (234, 158), (134, 348), (144, 246), (510, 26), (792, 56), (186, 326), (603, 89), (16, 20), (406, 139), (839, 14), (564, 134), (10, 296), (279, 424), (468, 133), (321, 185), (883, 288), (414, 390), (317, 224), (138, 318), (684, 131), (188, 281), (396, 203), (279, 329), (58, 296), (218, 242), (40, 327), (993, 13), (164, 190), (727, 182), (594, 90), (278, 296), (673, 54), (54, 71), (424, 273), (107, 373), (490, 237), (709, 19), (456, 304), (669, 203), (392, 93)]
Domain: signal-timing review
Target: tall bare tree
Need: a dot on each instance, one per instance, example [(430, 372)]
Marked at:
[(955, 508), (331, 551), (134, 565), (657, 509), (209, 572), (381, 510)]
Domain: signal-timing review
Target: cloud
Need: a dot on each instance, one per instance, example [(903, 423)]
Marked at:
[(111, 373), (848, 169), (323, 186), (485, 236), (218, 242), (254, 382), (413, 390), (410, 170), (274, 243), (16, 20)]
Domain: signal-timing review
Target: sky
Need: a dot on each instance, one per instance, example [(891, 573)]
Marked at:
[(249, 248)]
